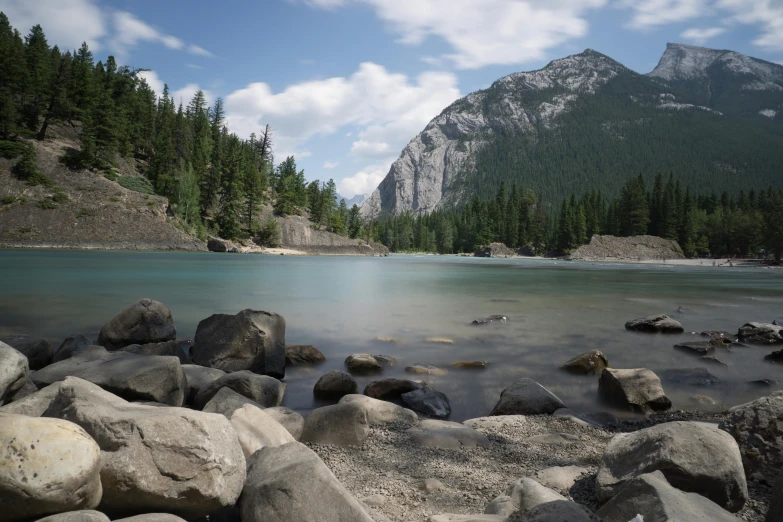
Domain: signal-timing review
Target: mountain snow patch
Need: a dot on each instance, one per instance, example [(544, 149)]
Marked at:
[(769, 113)]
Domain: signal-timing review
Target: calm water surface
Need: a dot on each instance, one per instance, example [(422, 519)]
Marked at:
[(342, 304)]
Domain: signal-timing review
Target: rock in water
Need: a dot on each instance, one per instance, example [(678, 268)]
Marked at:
[(775, 357), (46, 466), (145, 321), (526, 397), (693, 456), (690, 376), (391, 388), (250, 340), (697, 348), (14, 369), (72, 345), (638, 389), (266, 391), (301, 354), (155, 459), (37, 351), (335, 385), (654, 324), (342, 424), (290, 483), (761, 333), (589, 362), (491, 319), (427, 369), (470, 365), (653, 497), (428, 401), (381, 412), (363, 363)]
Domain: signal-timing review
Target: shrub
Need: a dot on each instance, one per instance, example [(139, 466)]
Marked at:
[(8, 200), (60, 196), (270, 233), (12, 149), (138, 184), (47, 204), (86, 212), (111, 176)]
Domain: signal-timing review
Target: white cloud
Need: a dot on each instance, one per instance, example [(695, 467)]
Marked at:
[(651, 13), (193, 66), (66, 24), (700, 36), (331, 164), (363, 182), (198, 50), (483, 32), (129, 31), (768, 14), (153, 80), (185, 94)]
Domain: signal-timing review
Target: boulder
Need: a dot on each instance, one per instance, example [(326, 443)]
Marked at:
[(132, 377), (470, 365), (654, 324), (250, 340), (290, 483), (152, 517), (216, 244), (502, 505), (37, 351), (490, 320), (651, 496), (255, 429), (560, 478), (639, 390), (717, 334), (775, 357), (27, 389), (600, 419), (593, 361), (525, 494), (444, 434), (145, 321), (391, 389), (153, 459), (693, 456), (494, 250), (335, 385), (362, 363), (428, 401), (700, 348), (292, 421), (33, 405), (72, 345), (760, 333), (14, 369), (179, 349), (382, 412), (526, 397), (555, 511), (426, 369), (301, 354), (266, 391), (775, 512), (690, 376), (85, 515), (385, 360), (47, 466), (758, 428), (197, 377), (713, 360), (343, 424), (452, 517)]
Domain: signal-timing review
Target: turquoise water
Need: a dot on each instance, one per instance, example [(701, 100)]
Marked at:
[(343, 304)]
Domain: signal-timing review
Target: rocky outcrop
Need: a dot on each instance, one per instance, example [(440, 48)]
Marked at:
[(526, 397), (638, 389), (145, 321), (216, 244), (262, 389), (298, 233), (13, 371), (37, 351), (633, 248)]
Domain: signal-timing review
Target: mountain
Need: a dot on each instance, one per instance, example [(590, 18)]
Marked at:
[(358, 199), (714, 118)]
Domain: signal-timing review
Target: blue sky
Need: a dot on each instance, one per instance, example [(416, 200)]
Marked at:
[(345, 84)]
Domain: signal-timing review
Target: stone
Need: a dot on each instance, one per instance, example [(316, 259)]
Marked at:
[(335, 385), (216, 244), (450, 517), (179, 349), (33, 405), (27, 389), (154, 459), (713, 360), (14, 370), (501, 505), (197, 377), (46, 466), (599, 419), (470, 365), (391, 388), (362, 363), (432, 485), (589, 362), (152, 517), (654, 324), (385, 360), (85, 515), (693, 456), (496, 423), (145, 321), (526, 493), (560, 478), (444, 434), (651, 496), (716, 334), (775, 512), (775, 357), (439, 340), (764, 383), (302, 354), (266, 391), (37, 351), (639, 390), (374, 500), (292, 421), (250, 340), (760, 333), (132, 377), (290, 483), (690, 376), (700, 348), (255, 429), (758, 428), (427, 369), (72, 345), (428, 401), (556, 511), (526, 397), (382, 412), (343, 424)]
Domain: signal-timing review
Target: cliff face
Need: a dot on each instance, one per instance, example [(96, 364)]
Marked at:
[(297, 233), (634, 248)]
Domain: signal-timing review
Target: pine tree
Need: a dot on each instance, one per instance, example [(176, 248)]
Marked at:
[(38, 65)]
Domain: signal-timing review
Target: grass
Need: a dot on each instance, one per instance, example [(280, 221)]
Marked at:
[(141, 185), (47, 203), (86, 212), (12, 149)]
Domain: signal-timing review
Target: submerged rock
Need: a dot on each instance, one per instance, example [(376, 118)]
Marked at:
[(37, 351), (717, 334), (775, 357), (335, 385), (593, 361), (700, 348), (391, 388), (363, 363), (690, 376), (302, 354), (427, 369), (145, 321), (713, 360), (428, 401), (385, 360), (470, 365), (490, 320), (638, 389), (526, 397), (654, 324), (760, 333)]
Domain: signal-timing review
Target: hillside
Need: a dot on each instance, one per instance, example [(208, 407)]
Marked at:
[(713, 118)]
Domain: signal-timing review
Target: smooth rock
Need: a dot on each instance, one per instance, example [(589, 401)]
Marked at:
[(145, 321), (470, 365), (343, 424), (693, 456), (26, 390), (638, 389), (700, 348), (654, 324), (363, 363), (152, 517), (292, 421), (47, 466), (335, 385), (599, 419), (33, 405), (526, 397), (764, 383), (432, 485), (501, 505), (439, 340), (560, 477), (72, 345), (527, 493), (427, 369), (37, 351), (428, 401), (444, 434), (302, 354), (760, 333), (589, 362), (391, 388), (385, 360), (498, 319), (154, 459), (263, 389), (14, 370), (290, 483), (85, 515), (552, 438), (250, 340), (450, 517), (713, 360), (198, 377), (690, 376), (556, 511), (178, 349), (496, 423), (382, 412), (374, 500)]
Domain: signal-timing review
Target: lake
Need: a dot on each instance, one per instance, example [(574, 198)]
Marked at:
[(341, 305)]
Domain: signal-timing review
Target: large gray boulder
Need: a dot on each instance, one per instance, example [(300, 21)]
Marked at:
[(335, 385), (302, 354), (72, 345), (14, 369), (429, 401), (382, 412), (85, 515), (637, 389), (132, 377), (363, 363), (341, 424), (37, 351), (145, 321), (292, 421), (556, 511), (654, 324), (758, 428), (197, 377), (775, 512), (263, 389), (652, 497), (27, 389), (46, 466), (444, 434), (391, 389), (179, 349), (250, 340), (589, 362), (33, 405), (526, 397), (155, 459), (454, 517), (290, 483), (761, 333), (693, 456)]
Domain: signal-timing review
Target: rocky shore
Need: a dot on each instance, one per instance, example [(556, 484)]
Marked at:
[(134, 424), (634, 248)]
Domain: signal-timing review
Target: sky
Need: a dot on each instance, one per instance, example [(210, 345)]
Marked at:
[(346, 84)]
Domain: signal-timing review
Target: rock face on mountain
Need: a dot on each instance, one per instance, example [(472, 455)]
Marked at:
[(611, 248), (297, 233)]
